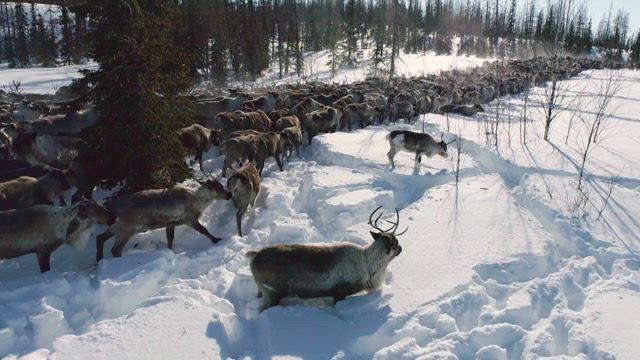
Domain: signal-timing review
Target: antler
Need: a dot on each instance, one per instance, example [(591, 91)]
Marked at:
[(374, 224), (392, 229)]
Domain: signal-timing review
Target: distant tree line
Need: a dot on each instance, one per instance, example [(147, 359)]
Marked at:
[(243, 38), (30, 37), (246, 37)]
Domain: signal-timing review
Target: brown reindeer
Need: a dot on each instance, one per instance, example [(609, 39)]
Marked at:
[(321, 121), (42, 229), (244, 185), (199, 139), (27, 191)]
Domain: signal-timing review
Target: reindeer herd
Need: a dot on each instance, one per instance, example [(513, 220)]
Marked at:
[(42, 138)]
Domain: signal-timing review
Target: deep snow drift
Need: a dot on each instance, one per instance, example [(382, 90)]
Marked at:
[(498, 267)]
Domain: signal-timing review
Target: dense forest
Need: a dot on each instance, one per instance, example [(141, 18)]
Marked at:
[(243, 38)]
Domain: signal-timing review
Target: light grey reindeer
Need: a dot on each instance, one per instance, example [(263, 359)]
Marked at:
[(162, 208), (313, 271), (417, 143)]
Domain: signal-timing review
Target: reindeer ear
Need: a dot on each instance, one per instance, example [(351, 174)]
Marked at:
[(375, 235)]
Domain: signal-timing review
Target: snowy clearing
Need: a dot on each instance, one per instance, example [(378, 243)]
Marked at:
[(317, 68), (40, 80), (495, 268)]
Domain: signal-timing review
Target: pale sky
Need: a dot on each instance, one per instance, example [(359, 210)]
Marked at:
[(599, 8)]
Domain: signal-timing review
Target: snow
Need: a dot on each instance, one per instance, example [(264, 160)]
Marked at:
[(40, 80), (498, 267), (317, 68)]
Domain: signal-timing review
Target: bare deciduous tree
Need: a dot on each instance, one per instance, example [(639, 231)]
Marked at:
[(595, 124), (552, 98)]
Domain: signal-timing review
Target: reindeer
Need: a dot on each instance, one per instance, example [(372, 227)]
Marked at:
[(42, 229), (313, 271), (265, 103), (361, 114), (287, 121), (199, 138), (229, 122), (209, 109), (69, 124), (291, 139), (403, 110), (465, 110), (244, 185), (417, 143), (268, 145), (27, 191), (321, 121), (162, 208)]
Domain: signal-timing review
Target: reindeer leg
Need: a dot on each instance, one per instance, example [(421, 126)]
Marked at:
[(44, 258), (279, 160), (269, 299), (225, 166), (391, 154), (417, 162), (100, 240), (170, 230), (239, 221), (121, 241), (202, 230), (199, 158)]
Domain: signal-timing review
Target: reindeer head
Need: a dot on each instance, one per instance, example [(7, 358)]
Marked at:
[(478, 107), (216, 188), (442, 146), (387, 238), (215, 138), (89, 209)]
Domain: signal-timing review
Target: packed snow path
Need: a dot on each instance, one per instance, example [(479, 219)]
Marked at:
[(494, 268)]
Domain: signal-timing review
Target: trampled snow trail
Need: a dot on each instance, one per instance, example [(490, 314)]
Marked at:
[(491, 269)]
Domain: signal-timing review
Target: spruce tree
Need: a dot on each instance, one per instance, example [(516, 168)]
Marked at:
[(140, 47), (21, 44), (66, 41)]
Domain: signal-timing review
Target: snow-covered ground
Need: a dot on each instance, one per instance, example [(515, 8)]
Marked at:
[(40, 80), (317, 68), (48, 80), (498, 267)]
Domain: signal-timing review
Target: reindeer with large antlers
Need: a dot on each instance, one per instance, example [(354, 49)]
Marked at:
[(417, 143), (313, 271)]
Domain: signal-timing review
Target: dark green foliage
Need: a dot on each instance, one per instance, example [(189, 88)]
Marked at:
[(635, 50), (144, 66), (21, 44), (66, 41)]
